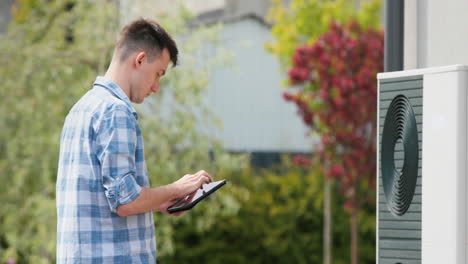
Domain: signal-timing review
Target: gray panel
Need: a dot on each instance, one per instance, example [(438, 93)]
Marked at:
[(416, 199), (397, 233), (400, 236), (405, 85), (417, 101), (412, 216), (401, 79), (399, 261), (408, 254), (413, 93), (400, 244), (398, 224)]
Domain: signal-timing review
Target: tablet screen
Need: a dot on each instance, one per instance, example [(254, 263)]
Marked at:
[(190, 200)]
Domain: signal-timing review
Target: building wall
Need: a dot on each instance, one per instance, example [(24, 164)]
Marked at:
[(435, 33), (248, 98), (5, 14)]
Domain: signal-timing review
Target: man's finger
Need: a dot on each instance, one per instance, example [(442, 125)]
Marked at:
[(205, 179), (201, 173), (209, 178)]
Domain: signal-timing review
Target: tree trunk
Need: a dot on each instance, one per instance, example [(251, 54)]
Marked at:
[(327, 224), (354, 235)]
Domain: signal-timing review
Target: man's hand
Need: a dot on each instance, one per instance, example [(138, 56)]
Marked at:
[(191, 182), (164, 206), (186, 185), (159, 198)]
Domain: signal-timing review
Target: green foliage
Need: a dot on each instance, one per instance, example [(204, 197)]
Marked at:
[(303, 21), (308, 22), (42, 76), (279, 221), (51, 55)]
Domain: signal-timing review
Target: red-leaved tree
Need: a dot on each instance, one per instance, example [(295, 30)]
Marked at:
[(336, 97)]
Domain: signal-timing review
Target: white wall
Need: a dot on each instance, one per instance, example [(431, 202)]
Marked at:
[(436, 33), (248, 98)]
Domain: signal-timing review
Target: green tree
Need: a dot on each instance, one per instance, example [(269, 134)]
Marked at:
[(42, 75), (302, 22), (337, 99), (50, 56)]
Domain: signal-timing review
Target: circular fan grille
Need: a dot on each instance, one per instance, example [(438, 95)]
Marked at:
[(400, 126)]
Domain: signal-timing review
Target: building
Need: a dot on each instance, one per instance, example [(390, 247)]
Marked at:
[(435, 33), (248, 99)]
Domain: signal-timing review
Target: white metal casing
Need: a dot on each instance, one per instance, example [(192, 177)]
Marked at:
[(444, 163)]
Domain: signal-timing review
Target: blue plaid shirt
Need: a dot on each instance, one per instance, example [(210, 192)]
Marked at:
[(102, 166)]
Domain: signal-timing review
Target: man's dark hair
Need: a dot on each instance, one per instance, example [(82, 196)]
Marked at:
[(148, 36)]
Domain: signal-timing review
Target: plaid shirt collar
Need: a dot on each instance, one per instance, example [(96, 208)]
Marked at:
[(116, 91)]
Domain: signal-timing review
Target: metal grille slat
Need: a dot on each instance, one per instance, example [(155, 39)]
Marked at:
[(400, 236)]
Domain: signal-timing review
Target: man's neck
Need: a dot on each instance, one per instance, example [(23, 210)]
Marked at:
[(118, 75)]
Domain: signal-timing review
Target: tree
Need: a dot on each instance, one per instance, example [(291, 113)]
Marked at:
[(42, 75), (50, 57), (302, 22), (337, 99)]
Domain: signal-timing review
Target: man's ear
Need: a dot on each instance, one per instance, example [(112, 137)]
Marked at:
[(139, 58)]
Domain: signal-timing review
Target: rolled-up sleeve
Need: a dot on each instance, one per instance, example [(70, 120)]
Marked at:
[(117, 141)]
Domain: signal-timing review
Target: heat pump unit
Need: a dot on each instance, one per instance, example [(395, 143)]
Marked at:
[(422, 166)]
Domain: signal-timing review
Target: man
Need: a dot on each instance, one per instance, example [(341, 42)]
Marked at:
[(104, 199)]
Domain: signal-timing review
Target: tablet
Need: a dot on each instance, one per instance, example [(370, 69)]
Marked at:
[(192, 199)]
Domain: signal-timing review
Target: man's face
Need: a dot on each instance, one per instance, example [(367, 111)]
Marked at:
[(148, 75)]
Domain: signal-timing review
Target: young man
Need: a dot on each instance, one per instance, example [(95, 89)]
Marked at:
[(104, 199)]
